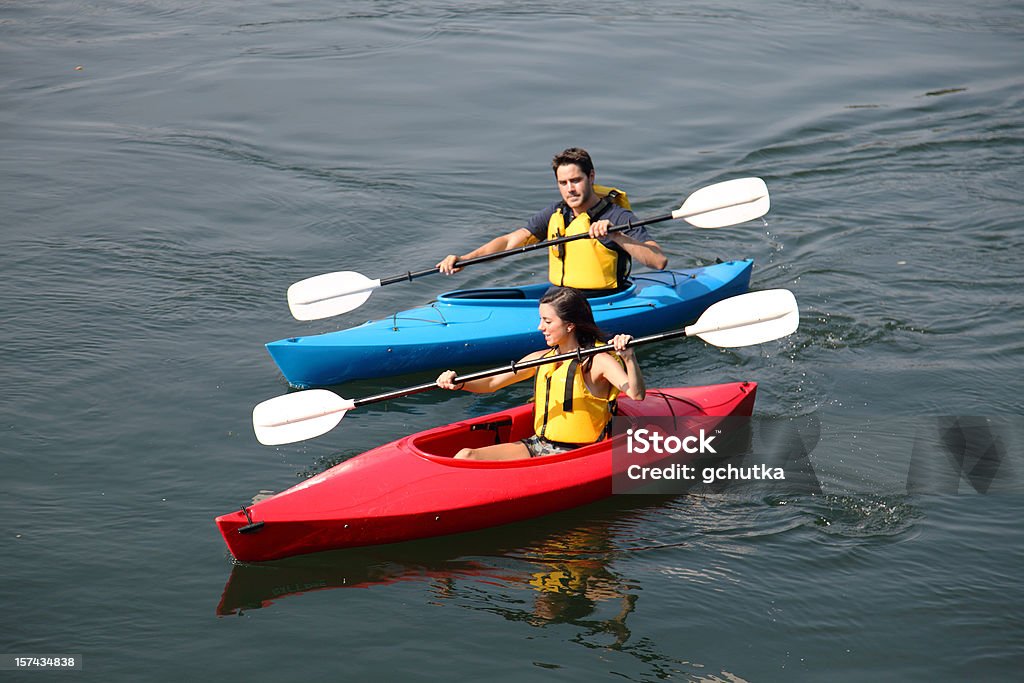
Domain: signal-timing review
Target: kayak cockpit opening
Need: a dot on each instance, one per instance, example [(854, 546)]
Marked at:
[(445, 442), (503, 293), (501, 429), (442, 443)]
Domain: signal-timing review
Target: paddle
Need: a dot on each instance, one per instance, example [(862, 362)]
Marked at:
[(742, 320), (714, 206)]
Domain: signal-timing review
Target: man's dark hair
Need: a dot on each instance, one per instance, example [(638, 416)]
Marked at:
[(573, 155)]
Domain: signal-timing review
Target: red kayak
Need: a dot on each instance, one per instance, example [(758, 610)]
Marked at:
[(413, 488)]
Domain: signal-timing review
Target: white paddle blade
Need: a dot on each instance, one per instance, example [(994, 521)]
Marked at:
[(298, 416), (728, 203), (329, 294), (748, 319)]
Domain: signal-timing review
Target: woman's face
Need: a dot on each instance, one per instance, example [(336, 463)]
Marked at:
[(555, 329)]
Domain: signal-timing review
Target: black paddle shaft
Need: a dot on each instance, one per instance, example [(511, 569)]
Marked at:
[(516, 367), (522, 250)]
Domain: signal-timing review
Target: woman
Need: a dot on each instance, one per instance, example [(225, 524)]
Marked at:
[(572, 398)]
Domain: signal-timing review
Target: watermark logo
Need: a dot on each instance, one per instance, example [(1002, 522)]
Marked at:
[(642, 441), (817, 453), (679, 454), (967, 449)]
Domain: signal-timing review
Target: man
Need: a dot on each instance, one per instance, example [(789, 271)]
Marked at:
[(599, 265)]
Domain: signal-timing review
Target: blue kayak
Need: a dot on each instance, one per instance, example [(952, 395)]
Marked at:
[(498, 325)]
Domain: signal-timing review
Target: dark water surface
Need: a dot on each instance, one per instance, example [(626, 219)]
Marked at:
[(169, 168)]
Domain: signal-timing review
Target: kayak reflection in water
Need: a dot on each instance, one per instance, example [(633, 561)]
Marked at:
[(570, 590), (573, 400), (571, 580)]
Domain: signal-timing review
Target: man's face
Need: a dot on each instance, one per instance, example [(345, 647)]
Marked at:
[(575, 186)]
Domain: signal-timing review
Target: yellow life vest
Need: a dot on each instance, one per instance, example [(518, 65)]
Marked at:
[(591, 265), (559, 581), (572, 575), (564, 409)]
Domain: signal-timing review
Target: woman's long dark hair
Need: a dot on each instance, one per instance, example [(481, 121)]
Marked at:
[(572, 307)]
